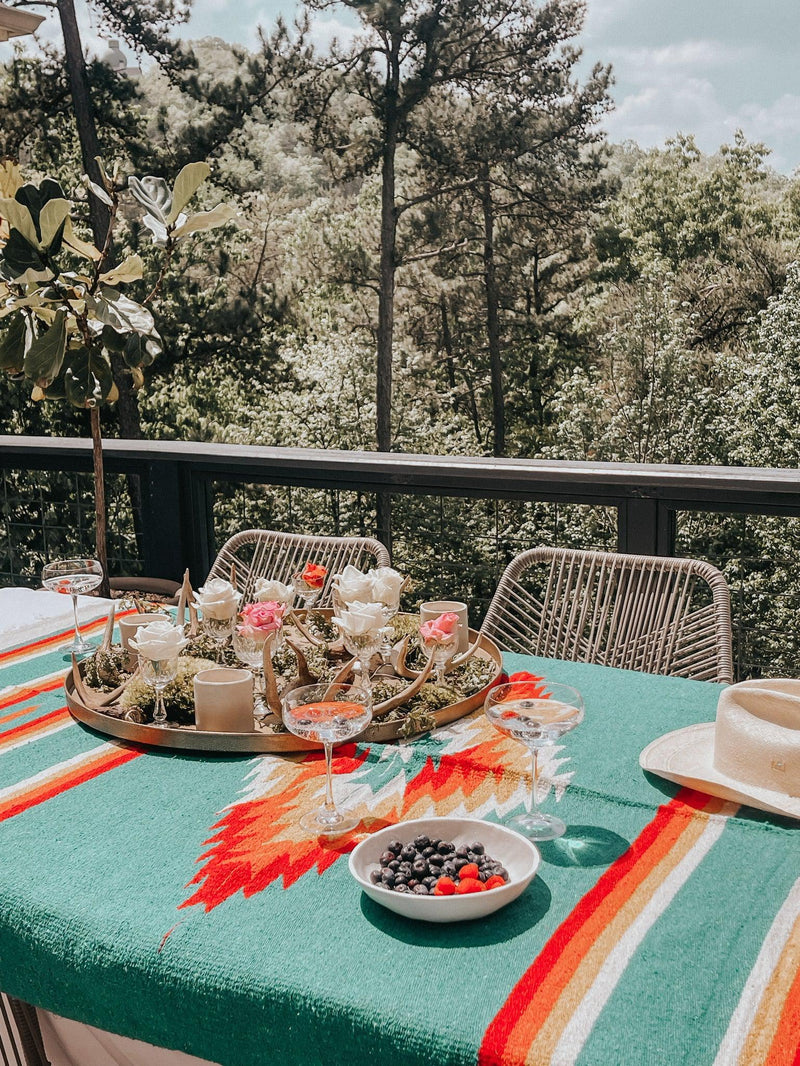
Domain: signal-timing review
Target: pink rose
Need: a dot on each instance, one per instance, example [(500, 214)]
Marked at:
[(262, 618), (440, 630)]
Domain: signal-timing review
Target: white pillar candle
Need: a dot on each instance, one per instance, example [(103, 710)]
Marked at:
[(128, 628), (223, 700), (433, 608)]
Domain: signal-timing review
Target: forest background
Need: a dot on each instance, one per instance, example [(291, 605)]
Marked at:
[(437, 250)]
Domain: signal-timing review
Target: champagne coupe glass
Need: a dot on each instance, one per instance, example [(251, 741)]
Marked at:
[(219, 630), (251, 652), (327, 714), (363, 646), (75, 577), (309, 594), (538, 716), (441, 651), (386, 646), (157, 673)]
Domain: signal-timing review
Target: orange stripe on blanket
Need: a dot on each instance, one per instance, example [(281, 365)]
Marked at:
[(779, 1012), (29, 730), (46, 643), (668, 836), (30, 692), (64, 777)]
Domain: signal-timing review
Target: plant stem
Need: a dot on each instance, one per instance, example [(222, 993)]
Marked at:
[(99, 498)]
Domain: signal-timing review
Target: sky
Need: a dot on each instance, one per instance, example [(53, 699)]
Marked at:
[(705, 67)]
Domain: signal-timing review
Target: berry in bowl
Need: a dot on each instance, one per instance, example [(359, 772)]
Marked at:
[(444, 869)]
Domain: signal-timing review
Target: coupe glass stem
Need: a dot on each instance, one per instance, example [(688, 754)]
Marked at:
[(533, 807), (330, 806), (160, 715), (75, 613)]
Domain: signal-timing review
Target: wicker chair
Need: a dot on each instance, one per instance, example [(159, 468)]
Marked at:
[(638, 612), (258, 553), (20, 1036)]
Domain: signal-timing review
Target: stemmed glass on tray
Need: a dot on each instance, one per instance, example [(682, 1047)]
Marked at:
[(537, 715), (74, 577), (327, 714)]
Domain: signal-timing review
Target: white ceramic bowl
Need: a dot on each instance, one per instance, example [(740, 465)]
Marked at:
[(519, 856)]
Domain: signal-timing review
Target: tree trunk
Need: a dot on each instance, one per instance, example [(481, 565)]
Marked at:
[(84, 115), (388, 267), (99, 497), (492, 314), (130, 425)]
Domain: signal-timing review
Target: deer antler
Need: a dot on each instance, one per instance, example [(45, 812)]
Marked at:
[(108, 632), (93, 700), (459, 660), (339, 679), (270, 684), (185, 597), (304, 675), (299, 625), (402, 668), (380, 709)]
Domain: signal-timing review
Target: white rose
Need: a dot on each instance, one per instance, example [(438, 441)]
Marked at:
[(386, 586), (361, 619), (268, 589), (352, 585), (217, 599), (159, 640)]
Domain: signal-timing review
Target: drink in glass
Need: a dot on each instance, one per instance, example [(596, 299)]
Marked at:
[(74, 577)]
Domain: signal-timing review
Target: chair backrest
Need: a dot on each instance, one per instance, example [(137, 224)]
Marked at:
[(638, 612), (20, 1035), (258, 553)]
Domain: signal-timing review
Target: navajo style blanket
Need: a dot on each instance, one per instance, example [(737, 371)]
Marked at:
[(174, 898)]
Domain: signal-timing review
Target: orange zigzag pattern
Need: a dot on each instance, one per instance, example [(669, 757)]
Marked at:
[(258, 839)]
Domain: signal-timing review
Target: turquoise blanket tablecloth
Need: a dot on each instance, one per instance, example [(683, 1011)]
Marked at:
[(175, 899)]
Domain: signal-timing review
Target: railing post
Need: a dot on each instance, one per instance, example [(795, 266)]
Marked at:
[(163, 521), (645, 526), (198, 524)]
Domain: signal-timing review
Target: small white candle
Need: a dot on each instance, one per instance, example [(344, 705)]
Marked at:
[(223, 700)]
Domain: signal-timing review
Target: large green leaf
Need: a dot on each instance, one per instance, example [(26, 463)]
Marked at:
[(88, 251), (19, 218), (34, 198), (121, 313), (18, 255), (204, 220), (12, 345), (130, 270), (46, 354), (141, 350), (153, 194), (186, 185), (51, 220), (88, 379)]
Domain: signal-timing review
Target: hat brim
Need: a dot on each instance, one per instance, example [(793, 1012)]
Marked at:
[(686, 757)]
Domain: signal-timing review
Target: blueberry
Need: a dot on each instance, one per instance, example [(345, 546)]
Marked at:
[(427, 852), (387, 878), (502, 872), (435, 859), (408, 853), (375, 876), (400, 879), (478, 848), (462, 852), (421, 890), (413, 883), (445, 847), (402, 888), (394, 846), (421, 842), (394, 865), (386, 858), (429, 882), (420, 868), (460, 862), (484, 874)]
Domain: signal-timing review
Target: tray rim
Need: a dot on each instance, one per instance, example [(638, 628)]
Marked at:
[(185, 738)]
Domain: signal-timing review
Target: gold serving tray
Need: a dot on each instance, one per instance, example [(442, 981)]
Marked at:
[(188, 738)]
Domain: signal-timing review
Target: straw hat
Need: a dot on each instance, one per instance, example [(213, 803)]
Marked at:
[(750, 755)]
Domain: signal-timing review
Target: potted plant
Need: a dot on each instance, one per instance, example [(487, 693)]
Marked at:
[(63, 308)]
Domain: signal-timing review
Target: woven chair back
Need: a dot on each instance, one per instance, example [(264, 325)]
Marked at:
[(637, 612), (20, 1036), (256, 553)]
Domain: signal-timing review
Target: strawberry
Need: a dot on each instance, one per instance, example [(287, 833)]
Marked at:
[(468, 885), (495, 882)]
